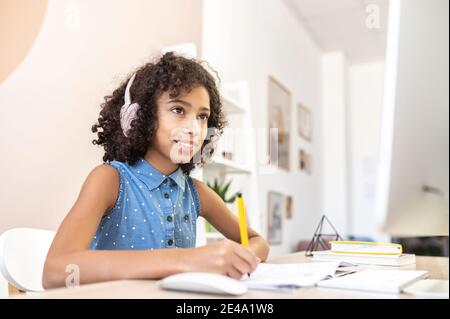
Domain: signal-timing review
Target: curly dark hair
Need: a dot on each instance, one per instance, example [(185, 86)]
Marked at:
[(170, 73)]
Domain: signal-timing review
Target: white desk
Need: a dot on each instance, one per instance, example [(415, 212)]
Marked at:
[(438, 268)]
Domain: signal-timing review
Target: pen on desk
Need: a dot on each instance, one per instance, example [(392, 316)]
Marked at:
[(242, 221)]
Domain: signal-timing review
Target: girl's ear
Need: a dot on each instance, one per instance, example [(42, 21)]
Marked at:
[(207, 150)]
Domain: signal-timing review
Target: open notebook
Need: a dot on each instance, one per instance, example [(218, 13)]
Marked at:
[(380, 280), (288, 276)]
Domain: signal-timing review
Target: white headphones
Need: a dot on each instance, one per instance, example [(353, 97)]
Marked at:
[(128, 110)]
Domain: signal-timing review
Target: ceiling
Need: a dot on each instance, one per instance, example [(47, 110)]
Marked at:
[(340, 25)]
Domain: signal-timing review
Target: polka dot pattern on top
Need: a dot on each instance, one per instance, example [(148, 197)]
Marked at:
[(152, 210)]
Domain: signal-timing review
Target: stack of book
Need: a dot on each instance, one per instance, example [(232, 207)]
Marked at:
[(365, 253)]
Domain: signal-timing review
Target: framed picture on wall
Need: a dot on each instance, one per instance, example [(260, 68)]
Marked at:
[(275, 209), (304, 161), (288, 207), (279, 117), (304, 122)]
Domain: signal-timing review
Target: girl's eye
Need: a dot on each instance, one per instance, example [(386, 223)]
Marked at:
[(204, 117), (177, 110)]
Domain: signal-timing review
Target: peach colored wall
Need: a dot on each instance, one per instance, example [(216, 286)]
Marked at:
[(49, 102), (20, 22)]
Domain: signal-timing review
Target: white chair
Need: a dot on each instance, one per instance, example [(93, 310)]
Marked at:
[(22, 257)]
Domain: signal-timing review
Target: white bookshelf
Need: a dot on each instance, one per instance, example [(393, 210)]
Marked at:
[(229, 166), (231, 106), (240, 168), (237, 108)]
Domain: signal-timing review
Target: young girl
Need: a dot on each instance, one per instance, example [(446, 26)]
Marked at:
[(135, 217)]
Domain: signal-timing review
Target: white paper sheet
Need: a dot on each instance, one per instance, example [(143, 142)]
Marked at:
[(285, 276)]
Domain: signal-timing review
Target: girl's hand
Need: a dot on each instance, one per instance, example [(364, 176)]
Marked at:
[(225, 257)]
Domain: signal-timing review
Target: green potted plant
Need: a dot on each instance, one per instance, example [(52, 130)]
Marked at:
[(221, 189)]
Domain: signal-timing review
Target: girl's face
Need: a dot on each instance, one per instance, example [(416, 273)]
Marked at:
[(182, 124)]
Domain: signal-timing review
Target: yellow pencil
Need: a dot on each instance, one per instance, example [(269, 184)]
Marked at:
[(242, 220)]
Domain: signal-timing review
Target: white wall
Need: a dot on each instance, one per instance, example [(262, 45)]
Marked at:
[(335, 140), (365, 106), (250, 40), (49, 103)]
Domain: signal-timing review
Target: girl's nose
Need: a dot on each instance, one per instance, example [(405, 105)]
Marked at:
[(193, 127)]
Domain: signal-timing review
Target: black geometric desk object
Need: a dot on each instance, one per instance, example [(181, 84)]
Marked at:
[(320, 240)]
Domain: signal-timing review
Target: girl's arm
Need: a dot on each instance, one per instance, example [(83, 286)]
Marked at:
[(217, 213), (70, 247)]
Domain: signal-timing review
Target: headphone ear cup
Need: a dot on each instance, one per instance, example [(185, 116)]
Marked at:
[(127, 115)]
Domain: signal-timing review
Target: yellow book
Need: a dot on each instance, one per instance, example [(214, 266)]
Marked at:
[(364, 247), (366, 259)]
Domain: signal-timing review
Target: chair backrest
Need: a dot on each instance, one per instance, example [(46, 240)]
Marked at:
[(22, 256)]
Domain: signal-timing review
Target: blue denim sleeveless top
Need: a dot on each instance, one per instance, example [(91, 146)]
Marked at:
[(152, 210)]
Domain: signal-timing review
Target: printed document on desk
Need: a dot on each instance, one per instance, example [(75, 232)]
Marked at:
[(289, 276), (384, 281)]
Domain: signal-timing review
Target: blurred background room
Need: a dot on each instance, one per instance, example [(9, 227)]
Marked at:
[(358, 90)]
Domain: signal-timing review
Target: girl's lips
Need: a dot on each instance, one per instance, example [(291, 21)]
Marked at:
[(187, 146), (186, 143)]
